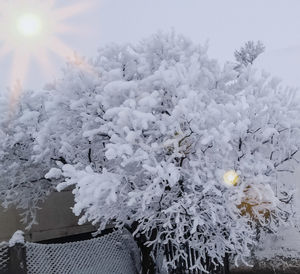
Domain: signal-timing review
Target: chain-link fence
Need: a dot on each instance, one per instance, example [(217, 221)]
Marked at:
[(115, 252), (4, 257)]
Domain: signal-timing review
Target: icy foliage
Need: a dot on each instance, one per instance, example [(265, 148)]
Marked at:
[(147, 136), (247, 54)]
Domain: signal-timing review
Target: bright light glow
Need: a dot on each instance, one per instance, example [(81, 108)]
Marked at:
[(29, 24), (29, 30), (231, 178)]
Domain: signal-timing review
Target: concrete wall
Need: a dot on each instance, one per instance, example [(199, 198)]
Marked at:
[(55, 220)]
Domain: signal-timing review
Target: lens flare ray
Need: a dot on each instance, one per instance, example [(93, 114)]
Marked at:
[(70, 11)]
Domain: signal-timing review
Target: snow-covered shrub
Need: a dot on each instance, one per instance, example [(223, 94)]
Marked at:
[(146, 137)]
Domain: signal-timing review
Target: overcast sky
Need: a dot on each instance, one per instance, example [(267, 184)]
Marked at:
[(226, 25)]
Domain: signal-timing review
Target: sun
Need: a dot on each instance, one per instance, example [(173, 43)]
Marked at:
[(32, 29), (29, 24)]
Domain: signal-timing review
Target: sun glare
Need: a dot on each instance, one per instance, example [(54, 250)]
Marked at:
[(29, 24), (31, 29)]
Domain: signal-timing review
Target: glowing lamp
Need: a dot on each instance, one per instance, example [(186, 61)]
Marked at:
[(231, 178)]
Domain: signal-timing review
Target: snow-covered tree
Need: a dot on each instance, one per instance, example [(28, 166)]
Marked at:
[(145, 140), (22, 181)]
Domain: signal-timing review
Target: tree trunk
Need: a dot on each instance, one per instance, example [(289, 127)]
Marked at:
[(148, 264)]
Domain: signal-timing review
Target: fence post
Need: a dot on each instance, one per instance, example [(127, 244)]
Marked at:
[(17, 262)]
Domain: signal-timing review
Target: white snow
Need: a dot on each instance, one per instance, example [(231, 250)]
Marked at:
[(54, 173), (17, 238)]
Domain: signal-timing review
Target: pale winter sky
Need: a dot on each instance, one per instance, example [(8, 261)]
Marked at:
[(226, 25)]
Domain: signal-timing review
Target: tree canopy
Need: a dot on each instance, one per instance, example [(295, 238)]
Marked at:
[(145, 135)]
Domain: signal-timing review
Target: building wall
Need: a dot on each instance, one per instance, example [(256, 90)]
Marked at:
[(55, 220)]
